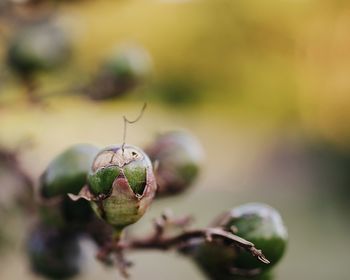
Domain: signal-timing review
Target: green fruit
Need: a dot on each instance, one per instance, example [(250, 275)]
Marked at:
[(67, 173), (261, 225), (121, 185), (179, 156), (53, 254), (130, 62), (258, 223), (126, 68), (38, 47), (214, 259)]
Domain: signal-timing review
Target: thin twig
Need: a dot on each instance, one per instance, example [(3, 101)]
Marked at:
[(167, 220), (160, 242)]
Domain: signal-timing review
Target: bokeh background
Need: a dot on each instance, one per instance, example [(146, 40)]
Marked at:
[(264, 85)]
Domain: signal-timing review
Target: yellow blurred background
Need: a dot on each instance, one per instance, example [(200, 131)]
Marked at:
[(265, 87)]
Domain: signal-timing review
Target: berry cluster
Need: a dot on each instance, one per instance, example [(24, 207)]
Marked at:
[(99, 192)]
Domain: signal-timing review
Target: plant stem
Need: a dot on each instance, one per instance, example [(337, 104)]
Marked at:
[(209, 234)]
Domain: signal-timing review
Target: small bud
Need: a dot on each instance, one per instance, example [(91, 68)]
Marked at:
[(38, 47), (179, 156), (258, 223), (53, 254), (126, 68), (121, 185)]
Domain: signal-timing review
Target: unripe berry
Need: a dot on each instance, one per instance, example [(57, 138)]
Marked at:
[(53, 253), (130, 62), (67, 172), (38, 47), (258, 223), (179, 156), (126, 68), (261, 225), (121, 185)]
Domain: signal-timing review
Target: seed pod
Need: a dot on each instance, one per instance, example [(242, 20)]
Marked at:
[(179, 156), (53, 254), (126, 68), (67, 173), (121, 185), (260, 224), (38, 47)]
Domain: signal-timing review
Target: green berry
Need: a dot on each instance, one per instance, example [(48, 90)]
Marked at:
[(258, 223), (53, 254), (214, 260), (38, 47), (129, 62), (126, 68), (261, 225), (179, 156), (67, 173)]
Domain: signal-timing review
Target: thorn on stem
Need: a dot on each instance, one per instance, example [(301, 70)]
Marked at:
[(258, 253)]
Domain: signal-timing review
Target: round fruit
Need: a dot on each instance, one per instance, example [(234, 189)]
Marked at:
[(179, 156), (38, 47), (126, 68), (258, 223), (53, 254), (67, 173), (121, 185), (261, 225)]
